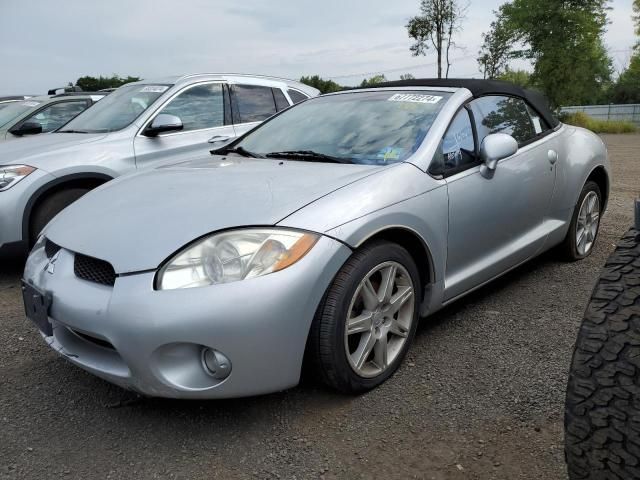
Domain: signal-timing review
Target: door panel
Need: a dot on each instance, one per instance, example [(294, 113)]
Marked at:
[(201, 109), (497, 222)]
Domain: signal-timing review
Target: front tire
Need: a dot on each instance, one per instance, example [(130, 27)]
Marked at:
[(585, 224), (49, 208), (367, 319)]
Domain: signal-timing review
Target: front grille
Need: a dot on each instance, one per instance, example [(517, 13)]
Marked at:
[(94, 270), (50, 248)]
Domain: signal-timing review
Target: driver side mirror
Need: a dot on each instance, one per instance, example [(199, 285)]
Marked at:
[(26, 128), (163, 123), (496, 147)]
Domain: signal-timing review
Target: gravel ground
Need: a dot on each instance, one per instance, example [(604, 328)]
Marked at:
[(480, 396)]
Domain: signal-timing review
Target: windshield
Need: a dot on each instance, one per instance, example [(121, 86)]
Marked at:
[(374, 128), (117, 110), (13, 110)]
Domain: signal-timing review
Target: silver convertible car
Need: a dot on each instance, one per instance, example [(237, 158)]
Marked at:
[(320, 237)]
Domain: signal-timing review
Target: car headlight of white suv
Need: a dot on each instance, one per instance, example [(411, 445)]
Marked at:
[(12, 174)]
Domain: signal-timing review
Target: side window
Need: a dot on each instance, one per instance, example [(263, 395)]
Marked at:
[(539, 123), (457, 149), (496, 114), (296, 97), (281, 100), (56, 115), (198, 107), (254, 103)]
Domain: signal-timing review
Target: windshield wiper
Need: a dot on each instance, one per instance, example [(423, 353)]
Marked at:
[(239, 150), (73, 131), (307, 155)]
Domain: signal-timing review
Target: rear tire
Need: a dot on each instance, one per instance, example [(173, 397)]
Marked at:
[(49, 208), (602, 410), (571, 249), (390, 316)]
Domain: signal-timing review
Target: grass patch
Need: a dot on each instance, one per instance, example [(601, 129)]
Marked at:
[(581, 119)]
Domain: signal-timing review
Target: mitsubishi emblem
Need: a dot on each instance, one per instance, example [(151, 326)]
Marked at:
[(51, 266)]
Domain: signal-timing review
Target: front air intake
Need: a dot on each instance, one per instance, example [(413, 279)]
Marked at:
[(50, 248), (94, 270)]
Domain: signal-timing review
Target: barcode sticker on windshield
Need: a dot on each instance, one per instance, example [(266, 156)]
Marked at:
[(155, 88), (414, 98), (30, 104)]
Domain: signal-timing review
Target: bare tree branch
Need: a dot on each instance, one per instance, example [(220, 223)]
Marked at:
[(435, 27)]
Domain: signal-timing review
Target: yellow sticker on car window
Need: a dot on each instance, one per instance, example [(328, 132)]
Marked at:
[(390, 153)]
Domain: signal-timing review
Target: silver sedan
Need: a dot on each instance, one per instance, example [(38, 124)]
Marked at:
[(321, 237)]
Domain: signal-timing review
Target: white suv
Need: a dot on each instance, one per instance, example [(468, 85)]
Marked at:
[(138, 125)]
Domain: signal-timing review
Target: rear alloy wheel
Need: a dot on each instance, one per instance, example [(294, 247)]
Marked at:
[(588, 222), (367, 319), (585, 223)]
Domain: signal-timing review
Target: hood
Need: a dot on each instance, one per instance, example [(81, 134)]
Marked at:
[(135, 222), (36, 150)]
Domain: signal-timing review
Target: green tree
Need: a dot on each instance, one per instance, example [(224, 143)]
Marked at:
[(434, 28), (497, 49), (627, 87), (563, 40), (93, 84), (325, 86), (407, 76), (375, 80), (519, 77)]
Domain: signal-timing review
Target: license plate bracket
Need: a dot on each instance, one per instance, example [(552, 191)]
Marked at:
[(36, 306)]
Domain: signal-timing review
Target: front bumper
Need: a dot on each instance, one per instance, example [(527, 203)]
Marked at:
[(151, 341)]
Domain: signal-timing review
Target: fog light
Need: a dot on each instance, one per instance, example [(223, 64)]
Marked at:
[(215, 363)]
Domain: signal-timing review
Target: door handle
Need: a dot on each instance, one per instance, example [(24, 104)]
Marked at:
[(219, 138), (552, 155)]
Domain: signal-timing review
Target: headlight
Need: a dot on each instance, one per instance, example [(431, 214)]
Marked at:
[(236, 255), (12, 174)]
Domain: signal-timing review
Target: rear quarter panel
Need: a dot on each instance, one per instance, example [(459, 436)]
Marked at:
[(581, 152)]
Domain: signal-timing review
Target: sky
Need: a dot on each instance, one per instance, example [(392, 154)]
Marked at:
[(48, 43)]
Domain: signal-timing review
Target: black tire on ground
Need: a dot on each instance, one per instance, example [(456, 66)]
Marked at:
[(568, 248), (602, 411), (326, 357), (49, 208)]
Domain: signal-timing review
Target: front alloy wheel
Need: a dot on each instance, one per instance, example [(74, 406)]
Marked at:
[(379, 319), (367, 319)]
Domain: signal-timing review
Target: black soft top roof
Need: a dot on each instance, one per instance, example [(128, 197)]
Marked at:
[(479, 88)]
